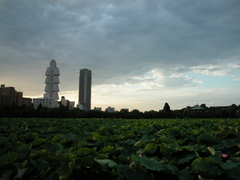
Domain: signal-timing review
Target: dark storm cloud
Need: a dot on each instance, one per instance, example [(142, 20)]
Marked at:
[(120, 39)]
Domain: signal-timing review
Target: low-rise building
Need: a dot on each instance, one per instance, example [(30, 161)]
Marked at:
[(97, 109), (45, 102), (110, 109), (27, 101), (66, 103)]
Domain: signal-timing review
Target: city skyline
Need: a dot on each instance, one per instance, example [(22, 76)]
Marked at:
[(142, 53)]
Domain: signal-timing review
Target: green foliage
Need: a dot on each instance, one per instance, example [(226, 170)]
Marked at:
[(185, 174), (107, 148), (150, 148), (8, 158), (119, 149), (3, 140), (106, 163), (150, 164)]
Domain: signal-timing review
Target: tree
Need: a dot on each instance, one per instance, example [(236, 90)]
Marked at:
[(203, 106), (166, 112), (136, 114), (39, 107), (124, 113), (166, 108)]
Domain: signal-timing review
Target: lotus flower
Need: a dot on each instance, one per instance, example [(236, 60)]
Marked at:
[(224, 155)]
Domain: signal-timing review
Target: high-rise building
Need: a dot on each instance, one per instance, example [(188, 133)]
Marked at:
[(19, 98), (52, 81), (8, 95), (51, 88), (85, 83)]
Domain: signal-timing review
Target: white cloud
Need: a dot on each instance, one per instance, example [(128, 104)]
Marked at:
[(216, 70)]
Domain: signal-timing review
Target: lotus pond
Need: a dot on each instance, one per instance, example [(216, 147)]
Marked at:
[(184, 149)]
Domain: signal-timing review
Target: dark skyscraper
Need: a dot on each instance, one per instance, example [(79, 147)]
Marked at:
[(85, 82)]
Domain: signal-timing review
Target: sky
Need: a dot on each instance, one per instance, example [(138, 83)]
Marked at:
[(142, 53)]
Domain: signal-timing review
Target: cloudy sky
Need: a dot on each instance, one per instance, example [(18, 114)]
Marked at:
[(142, 53)]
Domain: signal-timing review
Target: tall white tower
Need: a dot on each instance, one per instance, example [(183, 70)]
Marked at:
[(52, 81)]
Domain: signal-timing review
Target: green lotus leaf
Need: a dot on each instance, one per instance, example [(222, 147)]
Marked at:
[(20, 173), (64, 169), (172, 168), (39, 164), (3, 140), (12, 136), (24, 148), (6, 175), (106, 163), (228, 142), (136, 175), (68, 136), (147, 137), (185, 174), (146, 130), (53, 147), (194, 132), (121, 160), (140, 151), (229, 165), (188, 147), (114, 137), (139, 143), (233, 173), (86, 161), (55, 138), (84, 151), (150, 148), (207, 167), (160, 132), (168, 148), (38, 141), (185, 156), (129, 135), (107, 148), (102, 128), (96, 136), (151, 164), (211, 150), (8, 158)]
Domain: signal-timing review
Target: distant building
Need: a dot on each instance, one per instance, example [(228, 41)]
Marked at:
[(52, 81), (64, 102), (97, 109), (85, 83), (19, 97), (51, 88), (8, 95), (45, 102), (71, 105), (197, 107), (110, 109), (67, 103), (27, 101)]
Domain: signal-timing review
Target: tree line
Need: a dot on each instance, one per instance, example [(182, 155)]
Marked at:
[(232, 111)]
